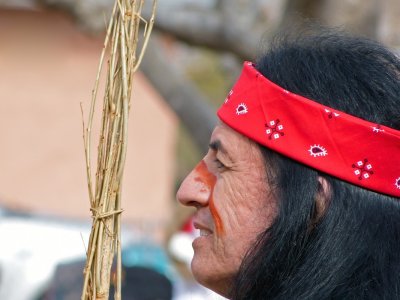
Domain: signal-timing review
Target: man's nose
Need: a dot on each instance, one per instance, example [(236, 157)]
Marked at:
[(193, 191)]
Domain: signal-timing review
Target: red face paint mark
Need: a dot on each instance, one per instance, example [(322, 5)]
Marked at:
[(209, 180)]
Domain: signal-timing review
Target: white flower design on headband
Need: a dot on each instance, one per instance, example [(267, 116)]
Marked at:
[(317, 150), (241, 109)]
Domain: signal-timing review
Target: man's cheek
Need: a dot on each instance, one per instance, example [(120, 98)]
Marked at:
[(226, 205)]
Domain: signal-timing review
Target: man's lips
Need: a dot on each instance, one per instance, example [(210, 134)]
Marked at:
[(204, 230)]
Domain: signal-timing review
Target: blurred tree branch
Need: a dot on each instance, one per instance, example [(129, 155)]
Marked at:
[(180, 93), (231, 26), (234, 26)]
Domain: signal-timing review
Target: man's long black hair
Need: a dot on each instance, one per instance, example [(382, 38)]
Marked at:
[(352, 251)]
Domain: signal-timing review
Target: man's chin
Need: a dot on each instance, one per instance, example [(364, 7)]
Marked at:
[(211, 281)]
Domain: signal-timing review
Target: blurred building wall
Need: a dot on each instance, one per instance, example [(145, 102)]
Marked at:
[(47, 67)]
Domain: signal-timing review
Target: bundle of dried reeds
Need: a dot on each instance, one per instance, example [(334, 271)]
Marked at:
[(123, 57)]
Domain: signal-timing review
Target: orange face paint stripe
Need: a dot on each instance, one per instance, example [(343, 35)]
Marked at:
[(216, 217), (209, 179)]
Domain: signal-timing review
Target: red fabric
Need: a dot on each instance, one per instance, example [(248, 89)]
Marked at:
[(188, 226), (331, 141)]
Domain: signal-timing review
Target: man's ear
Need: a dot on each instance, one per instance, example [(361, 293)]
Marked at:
[(322, 198)]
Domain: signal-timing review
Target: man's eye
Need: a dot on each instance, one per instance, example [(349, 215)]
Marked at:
[(219, 164)]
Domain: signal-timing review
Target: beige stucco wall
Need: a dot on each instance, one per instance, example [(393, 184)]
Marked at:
[(47, 67)]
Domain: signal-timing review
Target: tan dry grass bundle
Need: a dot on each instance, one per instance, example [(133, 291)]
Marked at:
[(123, 60)]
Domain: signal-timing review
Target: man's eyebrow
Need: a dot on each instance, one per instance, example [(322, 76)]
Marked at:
[(217, 145)]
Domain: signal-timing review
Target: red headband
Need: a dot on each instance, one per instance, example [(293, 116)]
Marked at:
[(357, 151)]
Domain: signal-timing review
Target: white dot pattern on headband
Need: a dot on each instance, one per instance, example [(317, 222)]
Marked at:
[(274, 129), (377, 128), (363, 169), (229, 96), (331, 113)]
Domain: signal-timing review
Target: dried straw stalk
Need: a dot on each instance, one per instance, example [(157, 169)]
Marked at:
[(123, 60)]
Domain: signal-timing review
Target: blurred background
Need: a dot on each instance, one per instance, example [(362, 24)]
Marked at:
[(49, 53)]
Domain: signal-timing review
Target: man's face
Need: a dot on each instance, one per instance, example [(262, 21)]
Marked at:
[(234, 204)]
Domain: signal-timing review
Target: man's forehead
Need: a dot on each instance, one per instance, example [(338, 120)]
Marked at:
[(227, 138), (224, 133), (220, 130), (232, 145)]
